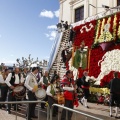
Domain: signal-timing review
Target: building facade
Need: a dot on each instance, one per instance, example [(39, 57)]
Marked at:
[(77, 10)]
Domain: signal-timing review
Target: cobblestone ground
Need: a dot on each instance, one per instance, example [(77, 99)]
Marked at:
[(100, 111)]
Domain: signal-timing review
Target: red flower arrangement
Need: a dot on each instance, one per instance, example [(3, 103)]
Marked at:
[(97, 53), (87, 37)]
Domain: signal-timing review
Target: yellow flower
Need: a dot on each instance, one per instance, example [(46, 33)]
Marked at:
[(109, 19), (100, 90), (114, 26), (118, 32), (102, 27), (98, 27)]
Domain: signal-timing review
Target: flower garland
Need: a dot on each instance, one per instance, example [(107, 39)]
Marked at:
[(114, 26), (98, 27), (102, 26), (109, 20), (118, 32)]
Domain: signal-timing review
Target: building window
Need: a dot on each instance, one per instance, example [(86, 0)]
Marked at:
[(79, 14), (118, 2)]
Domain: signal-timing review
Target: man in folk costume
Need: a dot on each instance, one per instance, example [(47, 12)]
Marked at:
[(32, 86), (24, 75), (39, 75), (58, 86), (69, 89), (85, 86), (3, 85), (13, 79), (44, 82), (114, 86), (51, 91)]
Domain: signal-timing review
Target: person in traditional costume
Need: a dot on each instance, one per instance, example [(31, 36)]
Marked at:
[(114, 86), (24, 74), (32, 86), (3, 86), (44, 82), (58, 85), (39, 74), (69, 90), (51, 91), (63, 55), (66, 25), (13, 79), (85, 86)]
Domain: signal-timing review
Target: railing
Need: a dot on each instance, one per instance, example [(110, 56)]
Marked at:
[(27, 102), (72, 110)]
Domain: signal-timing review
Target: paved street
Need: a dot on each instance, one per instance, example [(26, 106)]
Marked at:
[(100, 111)]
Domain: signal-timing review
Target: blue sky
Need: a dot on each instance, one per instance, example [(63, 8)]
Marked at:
[(27, 27)]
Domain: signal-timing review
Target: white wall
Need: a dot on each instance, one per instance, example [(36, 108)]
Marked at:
[(67, 8), (65, 11), (109, 3)]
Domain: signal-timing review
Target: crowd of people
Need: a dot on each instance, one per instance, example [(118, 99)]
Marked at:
[(33, 79)]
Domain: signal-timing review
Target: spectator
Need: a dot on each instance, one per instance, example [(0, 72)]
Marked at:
[(69, 89), (85, 86), (114, 93), (66, 25)]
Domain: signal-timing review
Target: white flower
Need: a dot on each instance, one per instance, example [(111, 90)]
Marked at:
[(110, 62), (86, 29)]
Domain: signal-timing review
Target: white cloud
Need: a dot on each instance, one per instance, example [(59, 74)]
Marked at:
[(52, 27), (49, 14), (0, 35), (46, 13), (56, 13), (51, 35)]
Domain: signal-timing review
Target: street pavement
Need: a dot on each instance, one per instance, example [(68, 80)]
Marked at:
[(100, 111)]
